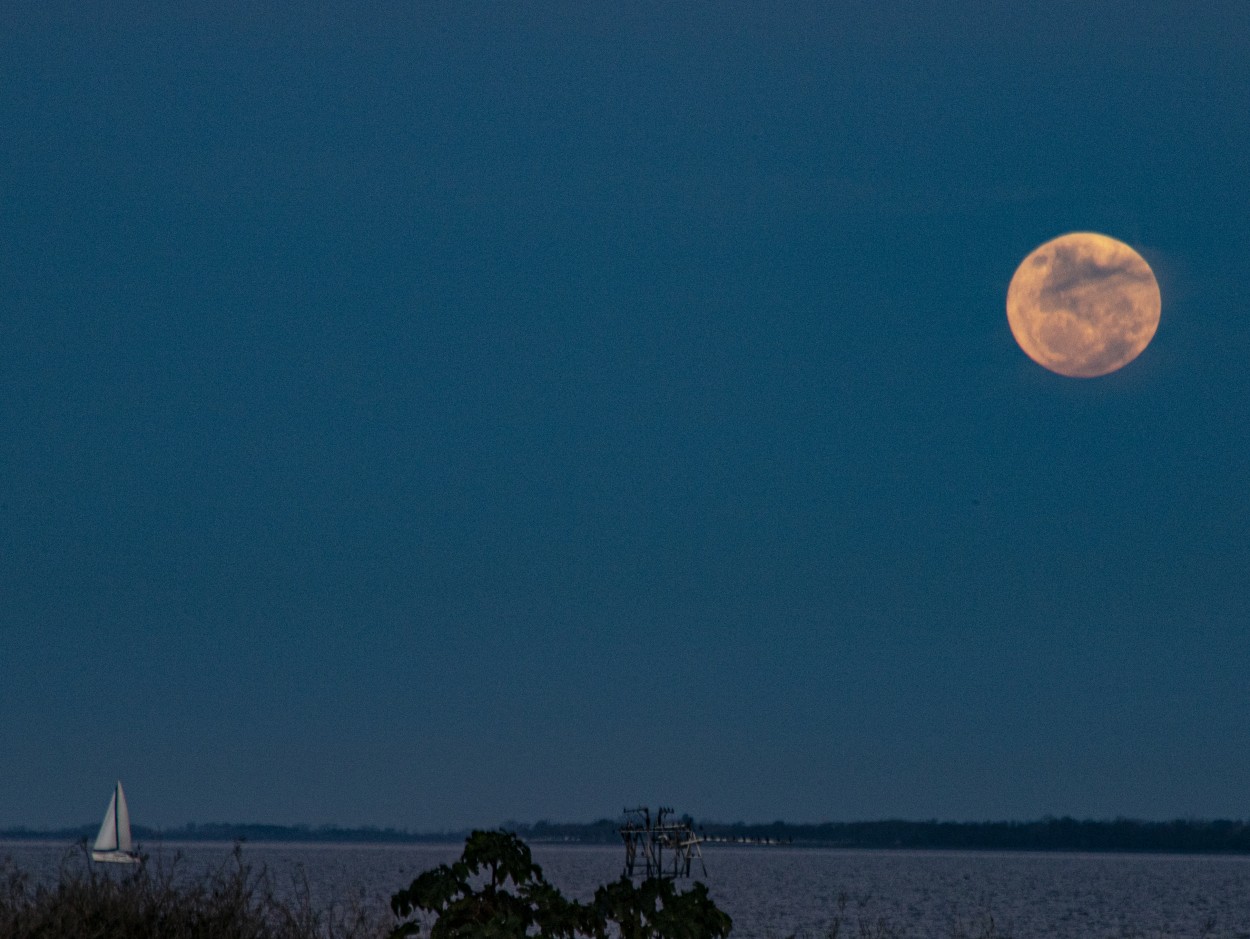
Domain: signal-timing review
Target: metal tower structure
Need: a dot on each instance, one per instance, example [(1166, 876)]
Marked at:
[(648, 839)]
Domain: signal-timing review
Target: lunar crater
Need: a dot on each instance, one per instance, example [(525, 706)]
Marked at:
[(1083, 305)]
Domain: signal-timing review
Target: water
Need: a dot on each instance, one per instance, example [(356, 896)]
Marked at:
[(777, 892)]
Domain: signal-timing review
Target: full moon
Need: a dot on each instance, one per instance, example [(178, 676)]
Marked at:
[(1083, 305)]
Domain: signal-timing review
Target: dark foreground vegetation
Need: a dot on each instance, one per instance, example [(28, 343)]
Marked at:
[(157, 901), (494, 891)]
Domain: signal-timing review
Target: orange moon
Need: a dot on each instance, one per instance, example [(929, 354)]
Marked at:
[(1083, 305)]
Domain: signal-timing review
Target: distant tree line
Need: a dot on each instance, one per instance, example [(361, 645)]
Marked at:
[(1047, 834), (230, 832)]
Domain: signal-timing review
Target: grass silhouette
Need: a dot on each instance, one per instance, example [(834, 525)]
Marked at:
[(236, 900)]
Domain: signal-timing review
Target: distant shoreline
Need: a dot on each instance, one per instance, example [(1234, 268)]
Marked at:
[(1046, 835)]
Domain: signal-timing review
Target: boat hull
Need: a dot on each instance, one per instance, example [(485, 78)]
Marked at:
[(115, 857)]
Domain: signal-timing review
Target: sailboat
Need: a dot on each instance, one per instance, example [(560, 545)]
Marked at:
[(113, 843)]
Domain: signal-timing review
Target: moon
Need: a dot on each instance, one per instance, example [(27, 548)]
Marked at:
[(1083, 305)]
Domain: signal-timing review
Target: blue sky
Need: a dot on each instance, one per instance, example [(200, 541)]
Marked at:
[(429, 415)]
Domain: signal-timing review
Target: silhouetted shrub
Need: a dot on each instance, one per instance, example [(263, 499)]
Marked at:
[(235, 901), (496, 890)]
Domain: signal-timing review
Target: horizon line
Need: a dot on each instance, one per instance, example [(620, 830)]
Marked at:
[(337, 828)]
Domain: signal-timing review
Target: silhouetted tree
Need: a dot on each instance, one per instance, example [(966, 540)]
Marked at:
[(496, 891)]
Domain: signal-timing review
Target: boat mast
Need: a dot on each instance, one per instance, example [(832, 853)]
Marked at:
[(117, 816)]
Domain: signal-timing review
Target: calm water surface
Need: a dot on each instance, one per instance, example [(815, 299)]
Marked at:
[(776, 892)]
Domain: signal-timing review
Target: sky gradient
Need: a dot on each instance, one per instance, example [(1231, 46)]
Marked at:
[(434, 414)]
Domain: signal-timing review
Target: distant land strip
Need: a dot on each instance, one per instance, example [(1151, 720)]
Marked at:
[(1184, 836)]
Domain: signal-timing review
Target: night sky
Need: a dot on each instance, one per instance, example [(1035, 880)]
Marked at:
[(433, 414)]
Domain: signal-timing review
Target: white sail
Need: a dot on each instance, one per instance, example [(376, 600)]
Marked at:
[(123, 821), (106, 840), (113, 844)]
